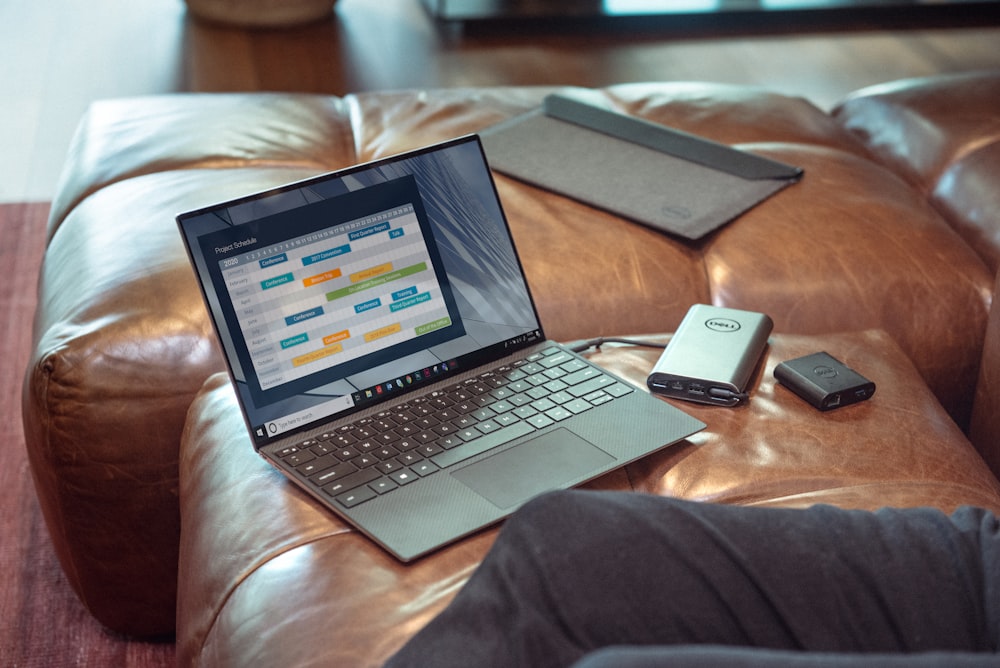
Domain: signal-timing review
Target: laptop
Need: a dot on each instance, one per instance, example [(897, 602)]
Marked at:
[(389, 360)]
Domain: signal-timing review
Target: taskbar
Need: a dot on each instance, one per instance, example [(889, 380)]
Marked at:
[(382, 391)]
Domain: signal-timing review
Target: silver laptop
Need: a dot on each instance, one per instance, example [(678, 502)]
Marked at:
[(389, 360)]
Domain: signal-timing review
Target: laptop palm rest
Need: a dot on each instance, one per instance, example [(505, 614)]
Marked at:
[(557, 459)]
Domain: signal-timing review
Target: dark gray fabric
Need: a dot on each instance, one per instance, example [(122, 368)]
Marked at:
[(743, 657), (574, 572)]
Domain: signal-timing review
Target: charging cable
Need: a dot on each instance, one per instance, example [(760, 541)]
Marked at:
[(600, 341)]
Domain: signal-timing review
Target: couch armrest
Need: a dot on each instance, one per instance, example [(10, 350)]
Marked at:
[(984, 428)]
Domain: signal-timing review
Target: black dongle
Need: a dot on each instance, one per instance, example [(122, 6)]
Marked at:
[(824, 381)]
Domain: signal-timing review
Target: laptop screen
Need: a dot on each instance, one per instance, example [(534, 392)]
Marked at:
[(334, 294)]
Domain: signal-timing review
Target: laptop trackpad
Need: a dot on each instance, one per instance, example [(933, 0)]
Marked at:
[(540, 465)]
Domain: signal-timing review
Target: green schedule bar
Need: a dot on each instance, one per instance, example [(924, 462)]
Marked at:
[(440, 323), (377, 281)]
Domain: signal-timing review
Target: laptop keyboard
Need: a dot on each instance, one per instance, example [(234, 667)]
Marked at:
[(376, 455)]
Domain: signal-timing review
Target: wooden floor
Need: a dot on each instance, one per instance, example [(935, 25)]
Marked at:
[(59, 55)]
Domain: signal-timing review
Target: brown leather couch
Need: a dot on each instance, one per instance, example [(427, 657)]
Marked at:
[(884, 255)]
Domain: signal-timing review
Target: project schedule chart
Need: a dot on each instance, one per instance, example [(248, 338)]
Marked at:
[(334, 295)]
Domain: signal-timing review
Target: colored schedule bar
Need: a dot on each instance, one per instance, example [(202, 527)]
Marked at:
[(403, 294), (368, 305), (383, 332), (334, 338), (371, 272), (368, 231), (304, 315), (326, 255), (294, 341), (317, 355), (276, 281), (310, 281), (377, 281), (412, 301), (440, 323), (273, 260)]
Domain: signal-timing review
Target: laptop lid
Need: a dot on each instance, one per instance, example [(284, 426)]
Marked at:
[(333, 294)]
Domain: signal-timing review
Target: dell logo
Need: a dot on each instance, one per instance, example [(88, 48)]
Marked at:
[(824, 371), (722, 325)]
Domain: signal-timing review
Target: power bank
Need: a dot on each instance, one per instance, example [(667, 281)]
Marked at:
[(824, 381), (712, 356)]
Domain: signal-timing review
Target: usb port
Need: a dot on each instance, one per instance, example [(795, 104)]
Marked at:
[(696, 388)]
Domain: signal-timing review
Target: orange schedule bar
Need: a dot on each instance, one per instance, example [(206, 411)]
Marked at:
[(321, 278), (317, 355), (334, 338), (383, 332), (372, 272)]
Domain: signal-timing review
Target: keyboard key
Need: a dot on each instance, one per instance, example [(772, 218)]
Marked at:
[(388, 467), (387, 437), (555, 386), (384, 424), (445, 429), (356, 496), (346, 454), (581, 376), (540, 421), (520, 399), (575, 365), (558, 413), (365, 460), (316, 465), (525, 412), (488, 426), (598, 399), (342, 440), (322, 448), (334, 473), (483, 414), (536, 379), (561, 397), (429, 449), (362, 477), (556, 358), (543, 405), (553, 374), (300, 457), (539, 392), (506, 419), (516, 376), (469, 434), (383, 485), (591, 385), (403, 476), (619, 390), (386, 453), (408, 458), (502, 407), (519, 386), (425, 468)]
